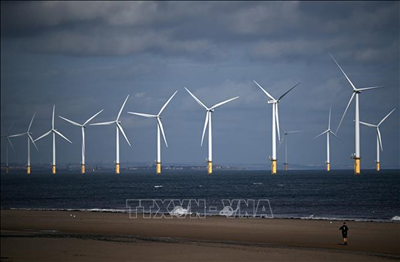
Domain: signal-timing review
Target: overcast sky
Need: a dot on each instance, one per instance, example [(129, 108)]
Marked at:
[(88, 56)]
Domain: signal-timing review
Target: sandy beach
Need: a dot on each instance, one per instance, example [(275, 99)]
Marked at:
[(93, 236)]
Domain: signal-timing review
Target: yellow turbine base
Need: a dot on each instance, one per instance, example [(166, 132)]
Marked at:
[(286, 166), (83, 169), (7, 170), (357, 166), (209, 167), (28, 170), (273, 166), (378, 166), (158, 168), (117, 168), (53, 169), (328, 167)]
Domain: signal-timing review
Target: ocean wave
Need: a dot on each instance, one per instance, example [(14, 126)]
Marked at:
[(179, 211), (395, 218), (158, 186)]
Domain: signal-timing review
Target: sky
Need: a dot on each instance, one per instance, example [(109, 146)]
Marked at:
[(88, 56)]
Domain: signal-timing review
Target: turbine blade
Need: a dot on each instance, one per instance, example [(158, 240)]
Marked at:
[(296, 131), (33, 142), (52, 117), (288, 91), (141, 114), (281, 141), (122, 107), (17, 135), (165, 105), (30, 124), (277, 121), (9, 141), (283, 130), (326, 131), (222, 103), (351, 99), (205, 127), (90, 119), (329, 122), (369, 88), (197, 100), (264, 90), (367, 124), (58, 133), (123, 133), (70, 121), (336, 136), (162, 130), (348, 79), (380, 138), (103, 123), (45, 134), (386, 117), (12, 123)]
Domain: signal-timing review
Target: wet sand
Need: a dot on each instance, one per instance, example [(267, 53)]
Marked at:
[(92, 236)]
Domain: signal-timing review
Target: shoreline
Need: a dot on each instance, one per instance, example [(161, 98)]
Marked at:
[(395, 219), (255, 239)]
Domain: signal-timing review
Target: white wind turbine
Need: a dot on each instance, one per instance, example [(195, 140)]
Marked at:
[(118, 128), (30, 140), (54, 132), (7, 137), (378, 138), (275, 122), (160, 128), (208, 122), (328, 132), (356, 92), (284, 139), (83, 126)]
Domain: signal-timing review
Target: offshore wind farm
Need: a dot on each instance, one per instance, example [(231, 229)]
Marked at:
[(251, 131)]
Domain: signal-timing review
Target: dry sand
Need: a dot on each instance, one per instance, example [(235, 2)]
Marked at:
[(91, 236)]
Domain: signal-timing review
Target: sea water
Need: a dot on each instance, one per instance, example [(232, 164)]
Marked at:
[(338, 195)]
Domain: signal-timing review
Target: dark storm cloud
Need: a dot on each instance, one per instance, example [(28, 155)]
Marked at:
[(85, 56), (262, 29)]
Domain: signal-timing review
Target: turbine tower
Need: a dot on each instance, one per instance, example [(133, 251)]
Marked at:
[(328, 132), (285, 134), (30, 140), (118, 128), (208, 122), (7, 136), (275, 122), (54, 132), (83, 126), (159, 129), (356, 92), (378, 139)]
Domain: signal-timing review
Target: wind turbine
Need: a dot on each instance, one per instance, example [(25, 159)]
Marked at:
[(30, 140), (378, 138), (356, 92), (54, 132), (208, 122), (159, 129), (285, 134), (275, 122), (118, 128), (7, 136), (83, 126), (328, 132)]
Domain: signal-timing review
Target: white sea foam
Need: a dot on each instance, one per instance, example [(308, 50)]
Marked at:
[(395, 218), (158, 186), (179, 211), (257, 183)]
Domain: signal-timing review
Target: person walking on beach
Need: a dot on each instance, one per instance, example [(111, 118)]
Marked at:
[(344, 229)]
